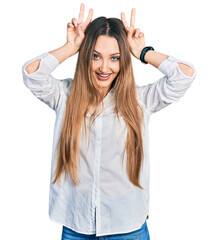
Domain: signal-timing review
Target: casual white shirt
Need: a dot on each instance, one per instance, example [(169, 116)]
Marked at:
[(105, 202)]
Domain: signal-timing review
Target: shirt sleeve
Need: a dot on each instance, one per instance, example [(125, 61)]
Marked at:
[(168, 89), (42, 84)]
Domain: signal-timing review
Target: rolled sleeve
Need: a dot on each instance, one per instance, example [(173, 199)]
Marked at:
[(170, 88), (41, 83)]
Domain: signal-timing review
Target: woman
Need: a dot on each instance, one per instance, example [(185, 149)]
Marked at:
[(100, 187)]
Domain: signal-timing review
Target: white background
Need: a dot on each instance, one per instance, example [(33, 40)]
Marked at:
[(183, 136)]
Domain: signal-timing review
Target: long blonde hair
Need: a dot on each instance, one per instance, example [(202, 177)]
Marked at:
[(85, 94)]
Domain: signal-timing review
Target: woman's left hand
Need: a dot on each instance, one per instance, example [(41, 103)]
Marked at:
[(135, 38)]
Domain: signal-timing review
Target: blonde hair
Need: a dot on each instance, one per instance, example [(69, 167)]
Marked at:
[(85, 94)]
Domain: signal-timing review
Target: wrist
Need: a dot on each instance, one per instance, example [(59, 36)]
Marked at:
[(148, 56), (145, 54), (70, 49), (137, 53)]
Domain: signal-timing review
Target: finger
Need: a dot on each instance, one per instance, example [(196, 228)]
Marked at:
[(70, 25), (75, 22), (81, 13), (137, 31), (89, 18), (141, 34), (123, 18), (81, 32), (130, 32), (132, 19)]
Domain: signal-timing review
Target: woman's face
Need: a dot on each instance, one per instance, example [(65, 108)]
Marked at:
[(106, 61)]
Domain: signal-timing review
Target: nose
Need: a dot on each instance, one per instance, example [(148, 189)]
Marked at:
[(104, 66)]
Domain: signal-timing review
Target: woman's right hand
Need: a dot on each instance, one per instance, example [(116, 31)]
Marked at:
[(76, 29)]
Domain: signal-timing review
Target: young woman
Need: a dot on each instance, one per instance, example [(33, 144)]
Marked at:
[(100, 181)]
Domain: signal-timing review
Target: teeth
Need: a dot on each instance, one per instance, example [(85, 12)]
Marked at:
[(103, 75)]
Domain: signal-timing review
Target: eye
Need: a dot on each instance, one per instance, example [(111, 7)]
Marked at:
[(117, 58), (94, 55)]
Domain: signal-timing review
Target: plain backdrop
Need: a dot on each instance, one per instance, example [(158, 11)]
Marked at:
[(183, 136)]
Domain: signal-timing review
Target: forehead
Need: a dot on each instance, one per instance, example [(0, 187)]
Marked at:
[(107, 45)]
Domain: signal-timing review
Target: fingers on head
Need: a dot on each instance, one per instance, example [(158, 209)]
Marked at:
[(90, 15), (81, 13), (123, 18)]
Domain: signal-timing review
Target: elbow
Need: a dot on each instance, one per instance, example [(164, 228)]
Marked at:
[(187, 70), (32, 67), (190, 72), (29, 69)]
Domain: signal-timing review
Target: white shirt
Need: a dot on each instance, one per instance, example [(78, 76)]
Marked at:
[(105, 202)]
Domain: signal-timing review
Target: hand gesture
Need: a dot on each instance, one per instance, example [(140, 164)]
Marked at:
[(135, 37), (76, 29)]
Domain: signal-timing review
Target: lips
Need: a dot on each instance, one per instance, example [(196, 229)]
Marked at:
[(103, 76)]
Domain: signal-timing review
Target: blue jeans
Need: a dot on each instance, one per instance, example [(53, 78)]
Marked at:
[(140, 234)]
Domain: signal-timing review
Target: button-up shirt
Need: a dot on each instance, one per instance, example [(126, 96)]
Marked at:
[(105, 202)]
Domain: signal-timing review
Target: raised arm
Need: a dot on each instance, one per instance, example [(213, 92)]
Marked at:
[(37, 71), (75, 36), (137, 43), (179, 74), (155, 58), (170, 88), (61, 54)]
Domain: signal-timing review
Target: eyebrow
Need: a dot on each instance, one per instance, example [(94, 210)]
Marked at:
[(110, 54)]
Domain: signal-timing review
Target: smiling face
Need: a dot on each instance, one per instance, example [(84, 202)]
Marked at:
[(105, 62)]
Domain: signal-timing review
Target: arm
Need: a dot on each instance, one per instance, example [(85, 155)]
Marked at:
[(37, 72), (38, 79), (61, 54), (155, 58), (137, 43), (179, 76)]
